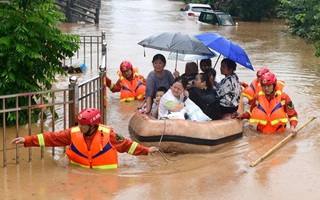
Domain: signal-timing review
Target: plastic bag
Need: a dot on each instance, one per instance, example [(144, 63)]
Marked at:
[(194, 112)]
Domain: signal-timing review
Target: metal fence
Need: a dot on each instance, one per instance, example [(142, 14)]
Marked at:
[(58, 108)]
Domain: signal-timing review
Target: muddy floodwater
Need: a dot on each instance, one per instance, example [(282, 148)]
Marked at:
[(292, 172)]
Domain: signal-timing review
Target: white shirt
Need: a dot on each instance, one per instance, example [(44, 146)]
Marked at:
[(168, 96)]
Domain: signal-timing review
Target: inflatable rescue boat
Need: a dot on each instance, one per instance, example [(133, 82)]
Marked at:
[(184, 136)]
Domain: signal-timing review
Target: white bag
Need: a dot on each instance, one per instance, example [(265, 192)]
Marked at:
[(194, 112), (175, 115)]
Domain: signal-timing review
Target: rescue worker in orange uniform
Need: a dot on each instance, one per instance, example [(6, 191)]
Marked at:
[(271, 108), (130, 84), (254, 88), (90, 144)]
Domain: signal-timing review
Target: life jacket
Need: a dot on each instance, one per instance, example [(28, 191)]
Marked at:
[(250, 91), (255, 87), (102, 154), (270, 116), (132, 90)]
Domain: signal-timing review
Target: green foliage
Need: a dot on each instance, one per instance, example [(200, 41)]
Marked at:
[(303, 19), (31, 47), (255, 10)]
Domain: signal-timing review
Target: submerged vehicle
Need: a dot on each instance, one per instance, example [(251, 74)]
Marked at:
[(194, 9), (216, 17)]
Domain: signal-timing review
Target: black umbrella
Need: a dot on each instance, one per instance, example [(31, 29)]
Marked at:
[(179, 43)]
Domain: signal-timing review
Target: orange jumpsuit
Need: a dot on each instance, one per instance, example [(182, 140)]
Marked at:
[(63, 138), (254, 88), (118, 86), (287, 107)]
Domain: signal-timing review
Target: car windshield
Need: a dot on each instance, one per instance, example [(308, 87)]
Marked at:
[(226, 20), (199, 9)]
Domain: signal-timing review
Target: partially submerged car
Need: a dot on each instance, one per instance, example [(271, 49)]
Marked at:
[(216, 17), (194, 9)]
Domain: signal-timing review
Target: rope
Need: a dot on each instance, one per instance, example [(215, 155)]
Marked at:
[(164, 130), (165, 158)]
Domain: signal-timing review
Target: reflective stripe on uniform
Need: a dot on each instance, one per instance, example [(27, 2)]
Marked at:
[(283, 120), (140, 97), (247, 96), (127, 99), (259, 121), (133, 148), (41, 140), (111, 86), (293, 119), (112, 166)]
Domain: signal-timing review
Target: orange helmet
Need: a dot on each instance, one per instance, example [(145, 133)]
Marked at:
[(268, 79), (89, 116), (125, 66), (262, 71)]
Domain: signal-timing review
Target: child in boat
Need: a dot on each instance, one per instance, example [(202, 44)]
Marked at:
[(159, 93), (130, 84)]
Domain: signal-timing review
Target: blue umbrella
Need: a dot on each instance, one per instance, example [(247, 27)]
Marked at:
[(225, 47)]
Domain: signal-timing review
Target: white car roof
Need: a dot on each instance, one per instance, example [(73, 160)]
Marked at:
[(199, 5)]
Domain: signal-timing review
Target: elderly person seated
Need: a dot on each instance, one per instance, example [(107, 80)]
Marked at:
[(191, 71)]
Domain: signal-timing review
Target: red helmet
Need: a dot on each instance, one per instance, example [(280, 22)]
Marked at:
[(125, 65), (268, 79), (89, 116), (262, 71)]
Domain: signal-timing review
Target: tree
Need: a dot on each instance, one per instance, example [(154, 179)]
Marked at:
[(255, 10), (31, 47), (303, 19)]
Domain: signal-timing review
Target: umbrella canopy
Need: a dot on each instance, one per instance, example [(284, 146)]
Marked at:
[(179, 43), (188, 57), (226, 47)]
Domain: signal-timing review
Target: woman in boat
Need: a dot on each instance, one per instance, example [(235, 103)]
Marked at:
[(212, 74), (156, 78), (205, 64), (172, 102), (229, 88), (205, 96)]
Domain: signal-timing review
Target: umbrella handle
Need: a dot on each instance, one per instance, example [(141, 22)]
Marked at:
[(175, 68), (216, 61)]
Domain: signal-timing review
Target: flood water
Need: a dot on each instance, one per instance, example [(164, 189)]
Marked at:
[(292, 172)]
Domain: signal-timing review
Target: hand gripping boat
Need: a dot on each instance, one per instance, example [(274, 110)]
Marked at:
[(184, 136)]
